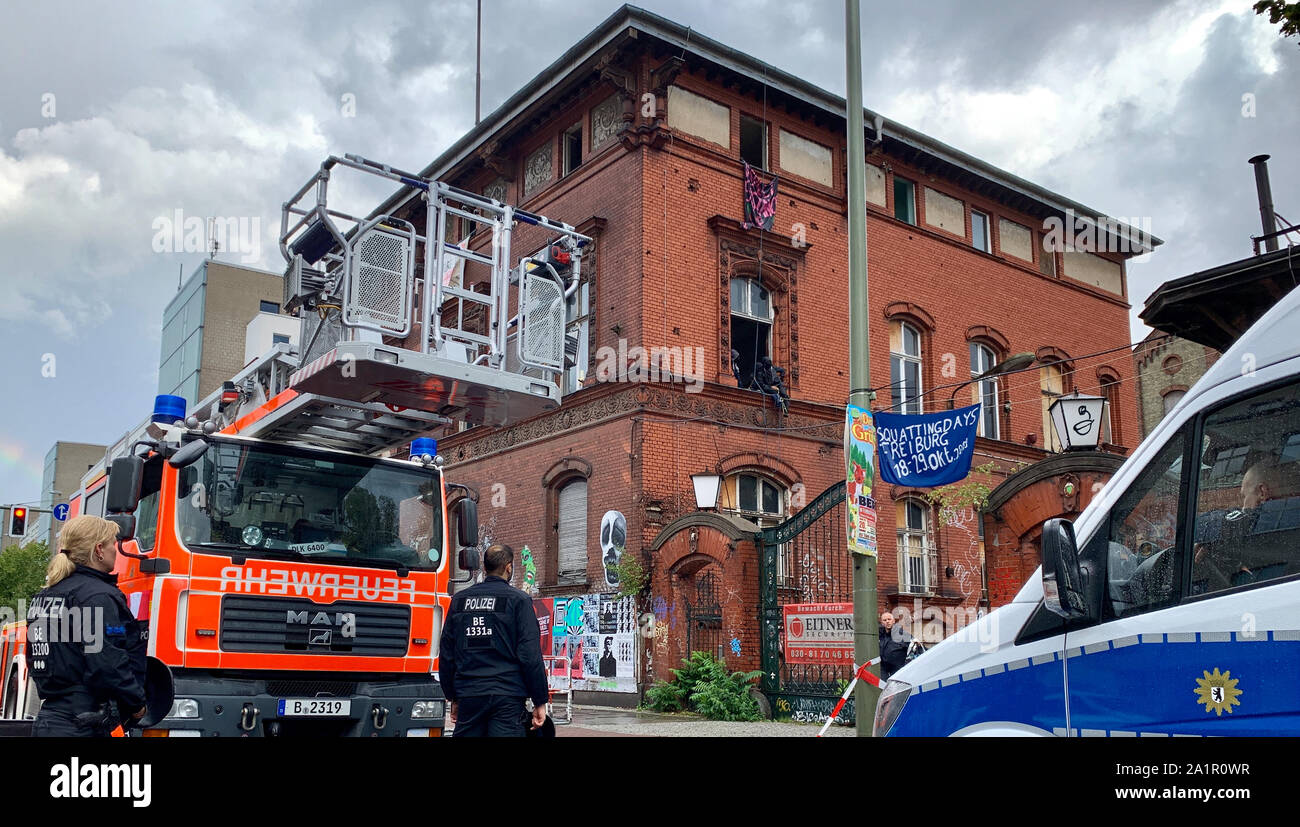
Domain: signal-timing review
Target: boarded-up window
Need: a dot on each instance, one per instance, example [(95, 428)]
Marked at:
[(699, 116), (1096, 271), (875, 185), (573, 531), (1015, 240), (808, 159), (945, 212)]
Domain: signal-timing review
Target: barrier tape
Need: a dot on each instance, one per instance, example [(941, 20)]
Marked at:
[(860, 673)]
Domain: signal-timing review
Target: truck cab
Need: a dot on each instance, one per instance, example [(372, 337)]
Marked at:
[(291, 590), (1131, 630)]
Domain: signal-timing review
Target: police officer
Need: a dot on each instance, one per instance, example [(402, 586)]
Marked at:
[(85, 650), (490, 657)]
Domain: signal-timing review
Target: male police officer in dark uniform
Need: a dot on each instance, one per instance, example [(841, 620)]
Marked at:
[(490, 657)]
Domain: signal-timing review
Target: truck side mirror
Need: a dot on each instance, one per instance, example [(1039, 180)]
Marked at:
[(467, 524), (1069, 586), (188, 455), (125, 525), (467, 559), (124, 480)]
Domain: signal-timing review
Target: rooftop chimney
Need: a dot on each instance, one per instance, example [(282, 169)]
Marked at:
[(1266, 216)]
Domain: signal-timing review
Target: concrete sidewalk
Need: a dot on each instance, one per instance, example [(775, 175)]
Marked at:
[(603, 722)]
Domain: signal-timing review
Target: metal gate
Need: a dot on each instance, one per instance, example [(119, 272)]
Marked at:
[(704, 618), (804, 560)]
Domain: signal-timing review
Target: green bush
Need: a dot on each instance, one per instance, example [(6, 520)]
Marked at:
[(703, 685), (22, 573)]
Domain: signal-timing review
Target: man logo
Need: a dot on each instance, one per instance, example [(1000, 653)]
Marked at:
[(345, 621), (320, 637)]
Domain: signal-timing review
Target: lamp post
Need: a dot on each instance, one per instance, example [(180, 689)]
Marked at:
[(1077, 420), (1011, 364)]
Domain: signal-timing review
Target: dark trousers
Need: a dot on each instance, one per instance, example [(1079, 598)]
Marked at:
[(57, 723), (489, 716)]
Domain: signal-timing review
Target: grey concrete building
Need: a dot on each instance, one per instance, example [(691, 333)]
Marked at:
[(65, 464), (206, 324)]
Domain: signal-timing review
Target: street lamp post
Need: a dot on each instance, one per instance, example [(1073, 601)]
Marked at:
[(1077, 420)]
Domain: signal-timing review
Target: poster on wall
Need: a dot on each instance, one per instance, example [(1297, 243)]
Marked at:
[(592, 642), (613, 541), (818, 633), (859, 461)]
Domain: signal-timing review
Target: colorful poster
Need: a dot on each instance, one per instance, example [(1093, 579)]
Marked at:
[(545, 612), (592, 645), (613, 541), (859, 461), (926, 450), (819, 633)]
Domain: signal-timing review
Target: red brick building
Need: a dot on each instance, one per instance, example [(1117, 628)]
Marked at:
[(636, 135)]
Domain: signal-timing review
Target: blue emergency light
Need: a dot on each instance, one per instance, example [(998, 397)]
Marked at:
[(167, 409), (424, 446)]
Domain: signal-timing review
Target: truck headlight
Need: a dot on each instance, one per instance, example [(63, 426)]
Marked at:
[(184, 708), (427, 709), (892, 699)]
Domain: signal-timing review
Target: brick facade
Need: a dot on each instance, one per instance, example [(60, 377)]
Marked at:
[(667, 208)]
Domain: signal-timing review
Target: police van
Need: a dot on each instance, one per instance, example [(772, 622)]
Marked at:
[(1128, 631)]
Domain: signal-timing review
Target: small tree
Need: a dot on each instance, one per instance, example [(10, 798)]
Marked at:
[(22, 573)]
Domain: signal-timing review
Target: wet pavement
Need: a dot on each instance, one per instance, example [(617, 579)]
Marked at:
[(603, 722)]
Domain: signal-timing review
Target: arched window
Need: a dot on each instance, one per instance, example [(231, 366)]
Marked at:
[(1051, 380), (915, 545), (751, 326), (571, 532), (1171, 399), (905, 367), (982, 358), (763, 502), (1110, 419)]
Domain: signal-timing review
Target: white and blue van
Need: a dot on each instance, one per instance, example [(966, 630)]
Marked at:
[(1128, 631)]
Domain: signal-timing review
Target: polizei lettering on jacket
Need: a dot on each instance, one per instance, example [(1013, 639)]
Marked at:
[(325, 585), (480, 604)]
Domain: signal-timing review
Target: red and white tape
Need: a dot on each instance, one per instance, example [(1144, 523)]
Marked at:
[(861, 673)]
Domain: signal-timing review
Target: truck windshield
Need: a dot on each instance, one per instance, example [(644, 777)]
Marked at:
[(277, 501)]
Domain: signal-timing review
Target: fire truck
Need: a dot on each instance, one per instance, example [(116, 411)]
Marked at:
[(287, 539)]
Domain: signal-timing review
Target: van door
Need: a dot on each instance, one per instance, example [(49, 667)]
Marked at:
[(1203, 558)]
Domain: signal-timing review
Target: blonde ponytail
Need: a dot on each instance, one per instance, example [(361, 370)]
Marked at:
[(76, 542)]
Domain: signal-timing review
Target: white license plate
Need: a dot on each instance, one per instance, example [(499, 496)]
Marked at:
[(314, 708)]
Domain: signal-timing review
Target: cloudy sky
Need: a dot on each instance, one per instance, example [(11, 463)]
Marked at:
[(115, 115)]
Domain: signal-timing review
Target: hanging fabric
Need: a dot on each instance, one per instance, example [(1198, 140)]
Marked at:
[(760, 200)]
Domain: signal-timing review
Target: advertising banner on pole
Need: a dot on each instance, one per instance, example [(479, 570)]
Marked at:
[(819, 633), (860, 465)]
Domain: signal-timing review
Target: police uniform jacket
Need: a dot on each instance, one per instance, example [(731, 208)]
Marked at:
[(491, 645), (81, 662)]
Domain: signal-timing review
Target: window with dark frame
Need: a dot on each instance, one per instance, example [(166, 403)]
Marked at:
[(753, 142), (979, 231), (571, 148), (265, 306), (904, 200), (763, 502), (751, 325)]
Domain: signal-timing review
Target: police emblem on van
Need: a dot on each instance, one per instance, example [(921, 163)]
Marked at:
[(1218, 692)]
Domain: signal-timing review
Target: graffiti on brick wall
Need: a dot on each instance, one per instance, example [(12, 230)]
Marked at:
[(592, 643), (805, 709)]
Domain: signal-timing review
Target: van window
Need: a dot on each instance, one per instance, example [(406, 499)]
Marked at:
[(1247, 526), (1144, 566)]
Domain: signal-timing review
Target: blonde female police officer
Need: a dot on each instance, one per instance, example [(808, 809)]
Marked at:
[(85, 650)]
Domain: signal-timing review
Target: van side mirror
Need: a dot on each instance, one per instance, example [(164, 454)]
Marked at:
[(1071, 587), (467, 524), (124, 480)]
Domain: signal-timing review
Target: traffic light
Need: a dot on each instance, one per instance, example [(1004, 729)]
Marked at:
[(17, 522)]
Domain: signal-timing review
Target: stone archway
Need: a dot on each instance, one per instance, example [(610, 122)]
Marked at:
[(704, 576), (1060, 486)]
